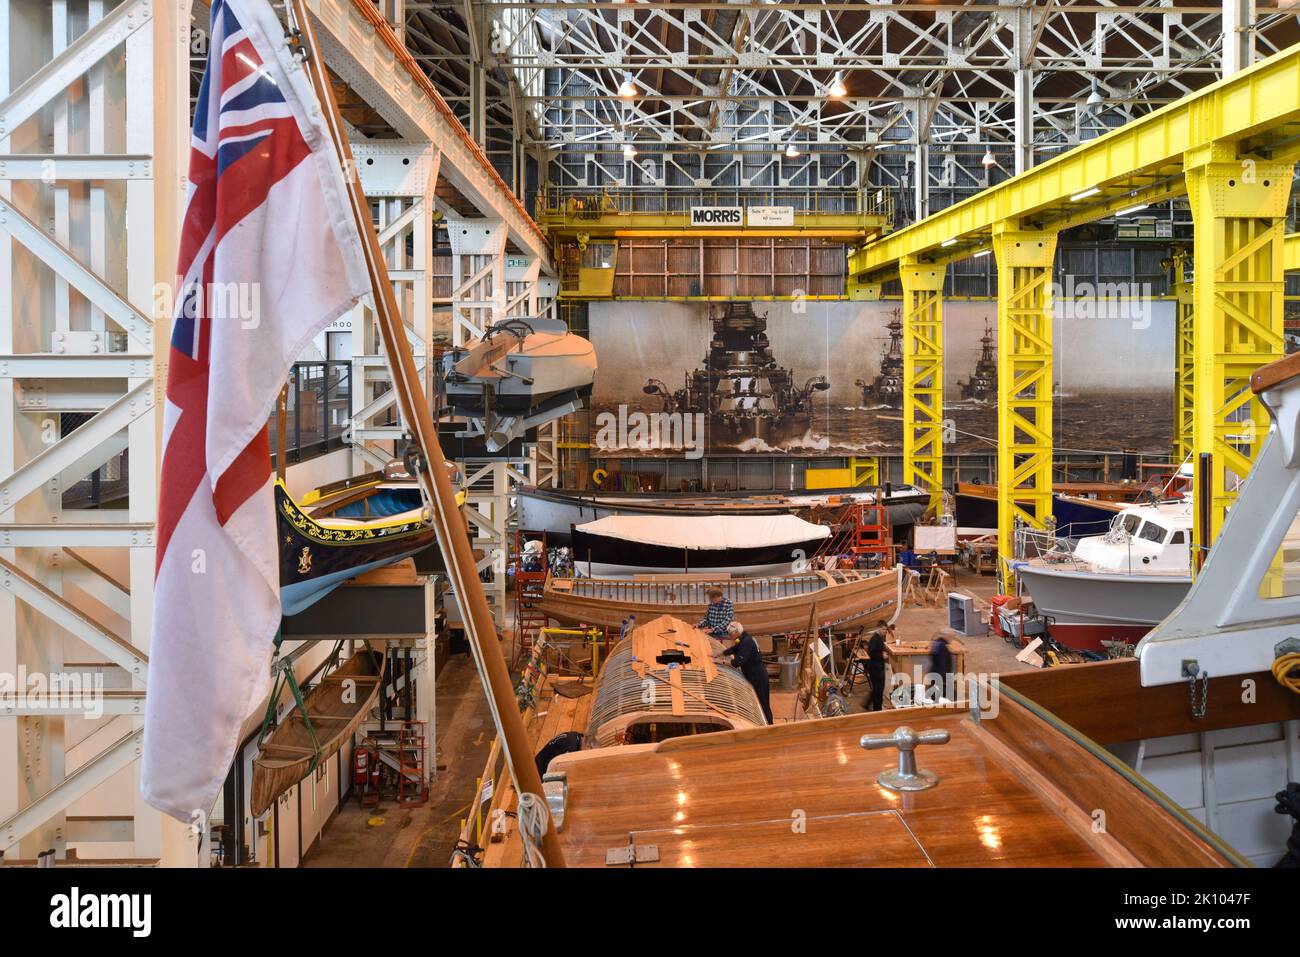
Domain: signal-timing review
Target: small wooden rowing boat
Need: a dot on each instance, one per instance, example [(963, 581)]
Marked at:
[(335, 707), (765, 606)]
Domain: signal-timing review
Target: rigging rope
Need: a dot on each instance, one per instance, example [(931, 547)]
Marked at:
[(533, 816), (1286, 669)]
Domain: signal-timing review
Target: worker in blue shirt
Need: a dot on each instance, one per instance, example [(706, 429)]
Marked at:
[(744, 653), (718, 615)]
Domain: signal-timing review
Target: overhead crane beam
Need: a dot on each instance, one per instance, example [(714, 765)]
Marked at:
[(1232, 148), (1258, 108)]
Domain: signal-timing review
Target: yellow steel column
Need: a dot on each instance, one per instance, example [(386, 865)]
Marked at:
[(1184, 359), (923, 377), (1238, 213), (1024, 261)]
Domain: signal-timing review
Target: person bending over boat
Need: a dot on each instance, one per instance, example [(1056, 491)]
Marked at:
[(746, 656), (718, 616)]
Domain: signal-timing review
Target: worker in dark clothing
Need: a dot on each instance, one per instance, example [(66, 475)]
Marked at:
[(941, 662), (743, 649), (876, 664)]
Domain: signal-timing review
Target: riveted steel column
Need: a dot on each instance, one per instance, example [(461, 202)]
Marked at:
[(1024, 260), (1238, 212), (923, 377), (1184, 360)]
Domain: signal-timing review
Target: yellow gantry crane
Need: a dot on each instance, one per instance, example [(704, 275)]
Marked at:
[(1231, 149)]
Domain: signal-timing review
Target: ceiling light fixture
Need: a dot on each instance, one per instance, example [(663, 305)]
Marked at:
[(988, 159), (628, 151), (1132, 209), (949, 242), (982, 252), (1090, 191), (627, 89), (837, 88), (791, 151)]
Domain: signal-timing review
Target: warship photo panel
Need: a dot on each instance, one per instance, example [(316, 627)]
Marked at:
[(826, 378)]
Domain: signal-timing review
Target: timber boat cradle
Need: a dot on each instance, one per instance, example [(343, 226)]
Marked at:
[(770, 605)]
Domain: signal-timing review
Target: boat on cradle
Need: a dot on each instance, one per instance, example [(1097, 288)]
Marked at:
[(522, 373), (555, 512), (1078, 508), (704, 544), (345, 529), (1113, 587), (335, 708), (766, 606)]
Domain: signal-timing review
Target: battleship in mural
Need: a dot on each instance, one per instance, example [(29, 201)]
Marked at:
[(746, 394), (887, 387), (982, 386)]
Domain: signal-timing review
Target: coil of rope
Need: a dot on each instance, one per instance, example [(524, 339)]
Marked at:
[(1286, 669), (533, 818)]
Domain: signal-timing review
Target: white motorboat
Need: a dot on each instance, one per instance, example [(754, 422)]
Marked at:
[(1111, 587)]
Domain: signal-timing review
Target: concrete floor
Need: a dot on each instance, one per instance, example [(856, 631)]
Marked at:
[(425, 836)]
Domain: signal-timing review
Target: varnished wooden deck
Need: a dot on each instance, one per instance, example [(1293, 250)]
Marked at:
[(1014, 791)]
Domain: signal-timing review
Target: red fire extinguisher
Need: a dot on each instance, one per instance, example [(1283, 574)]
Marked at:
[(365, 774)]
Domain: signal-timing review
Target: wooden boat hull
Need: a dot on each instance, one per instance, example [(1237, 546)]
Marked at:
[(316, 559), (841, 598), (337, 706)]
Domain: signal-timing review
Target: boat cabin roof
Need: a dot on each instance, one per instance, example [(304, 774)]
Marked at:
[(1171, 515)]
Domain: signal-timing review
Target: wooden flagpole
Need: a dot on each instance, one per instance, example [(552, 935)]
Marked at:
[(449, 523)]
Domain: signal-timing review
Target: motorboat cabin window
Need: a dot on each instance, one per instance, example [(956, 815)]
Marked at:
[(1131, 522), (1151, 532), (1180, 538)]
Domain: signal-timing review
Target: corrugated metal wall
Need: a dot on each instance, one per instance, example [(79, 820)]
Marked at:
[(676, 268)]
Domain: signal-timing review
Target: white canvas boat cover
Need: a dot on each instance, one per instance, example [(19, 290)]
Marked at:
[(707, 531)]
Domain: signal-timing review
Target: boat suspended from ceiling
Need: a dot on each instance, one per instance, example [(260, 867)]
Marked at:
[(767, 606), (522, 373), (739, 545), (328, 717)]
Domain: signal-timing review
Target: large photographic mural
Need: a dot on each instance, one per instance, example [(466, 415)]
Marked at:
[(825, 378)]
